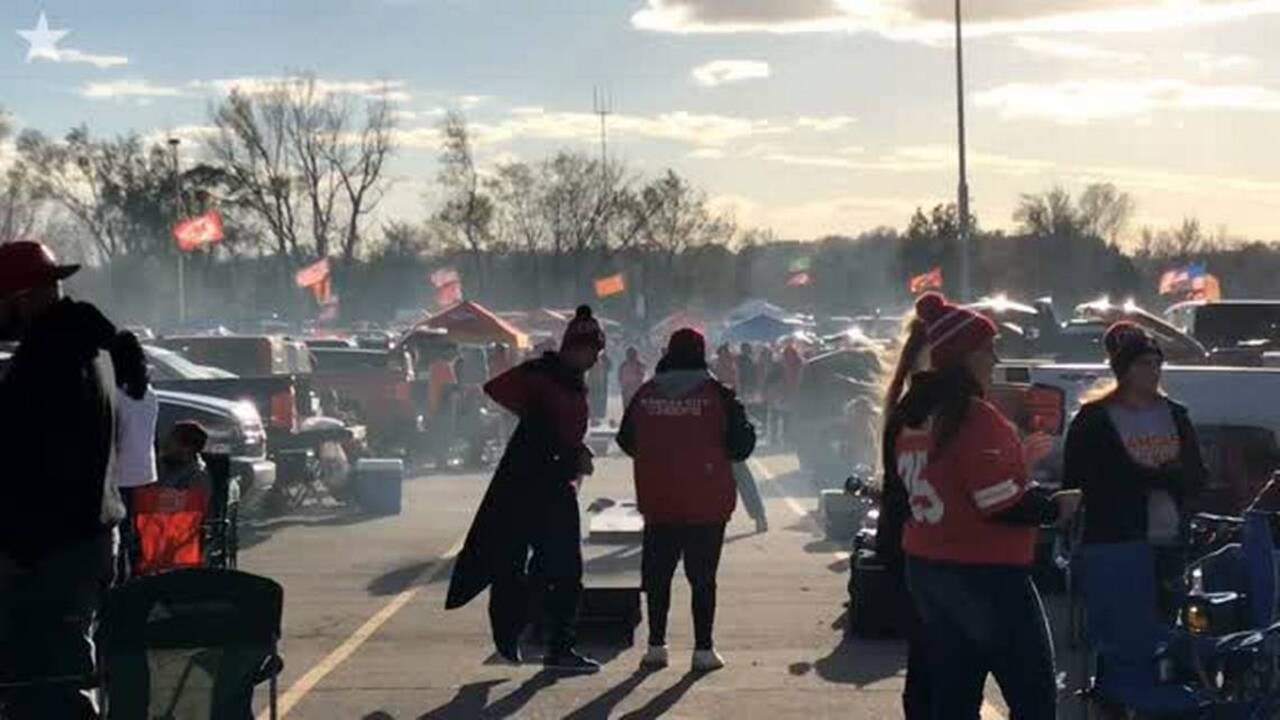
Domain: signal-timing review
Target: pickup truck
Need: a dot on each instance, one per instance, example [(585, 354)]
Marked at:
[(1239, 332), (275, 374), (1232, 408)]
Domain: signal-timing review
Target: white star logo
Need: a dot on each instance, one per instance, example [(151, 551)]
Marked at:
[(43, 41)]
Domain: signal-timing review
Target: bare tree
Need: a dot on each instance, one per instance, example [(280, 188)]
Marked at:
[(1105, 212), (119, 191), (18, 207), (1047, 214), (681, 218), (293, 159)]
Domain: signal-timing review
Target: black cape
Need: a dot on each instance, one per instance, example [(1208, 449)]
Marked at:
[(532, 466)]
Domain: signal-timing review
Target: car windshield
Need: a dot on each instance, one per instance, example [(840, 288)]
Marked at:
[(1222, 326), (169, 365)]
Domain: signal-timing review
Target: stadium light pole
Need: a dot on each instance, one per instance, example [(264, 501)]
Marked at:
[(182, 260), (962, 200)]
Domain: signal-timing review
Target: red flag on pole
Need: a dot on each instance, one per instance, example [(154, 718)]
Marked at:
[(610, 286), (931, 280), (800, 279), (196, 232), (313, 274)]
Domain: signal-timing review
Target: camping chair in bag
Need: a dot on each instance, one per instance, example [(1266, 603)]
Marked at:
[(190, 644)]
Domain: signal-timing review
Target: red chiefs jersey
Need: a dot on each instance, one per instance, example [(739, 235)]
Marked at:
[(955, 492)]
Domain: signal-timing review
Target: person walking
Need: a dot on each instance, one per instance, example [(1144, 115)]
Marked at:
[(137, 409), (684, 430), (631, 375), (1134, 453), (532, 502), (61, 504), (970, 539)]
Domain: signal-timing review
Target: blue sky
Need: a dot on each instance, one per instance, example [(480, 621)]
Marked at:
[(810, 116)]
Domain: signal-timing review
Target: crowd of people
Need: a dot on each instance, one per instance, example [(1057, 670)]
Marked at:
[(958, 523)]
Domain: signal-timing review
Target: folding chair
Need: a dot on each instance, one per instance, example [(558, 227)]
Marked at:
[(190, 644), (221, 523), (1125, 635)]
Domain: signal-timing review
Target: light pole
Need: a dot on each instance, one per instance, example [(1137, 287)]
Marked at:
[(962, 201), (177, 211)]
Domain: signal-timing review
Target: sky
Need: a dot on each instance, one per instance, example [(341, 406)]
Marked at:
[(810, 117)]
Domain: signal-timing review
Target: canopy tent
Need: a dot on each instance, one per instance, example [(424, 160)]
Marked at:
[(469, 322), (751, 308), (760, 329)]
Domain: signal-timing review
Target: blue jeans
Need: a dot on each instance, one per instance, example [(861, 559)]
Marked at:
[(980, 620)]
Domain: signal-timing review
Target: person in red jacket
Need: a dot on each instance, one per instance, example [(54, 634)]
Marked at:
[(970, 537), (532, 502), (684, 429)]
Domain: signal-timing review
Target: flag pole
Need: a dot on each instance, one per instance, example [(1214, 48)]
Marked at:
[(182, 256), (962, 191)]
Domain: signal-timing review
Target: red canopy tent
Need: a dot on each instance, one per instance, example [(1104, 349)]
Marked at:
[(469, 322)]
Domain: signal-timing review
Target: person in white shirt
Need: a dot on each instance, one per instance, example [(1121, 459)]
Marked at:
[(136, 410)]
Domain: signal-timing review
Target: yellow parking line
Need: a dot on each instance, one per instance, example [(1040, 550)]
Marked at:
[(340, 654), (989, 711)]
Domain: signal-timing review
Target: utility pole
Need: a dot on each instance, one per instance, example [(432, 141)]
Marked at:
[(602, 105), (962, 201), (177, 211)]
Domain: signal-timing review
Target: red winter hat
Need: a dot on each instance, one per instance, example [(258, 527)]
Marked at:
[(953, 331), (1125, 342), (687, 348), (26, 265)]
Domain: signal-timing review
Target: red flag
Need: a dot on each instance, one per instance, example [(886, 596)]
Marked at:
[(323, 290), (931, 280), (449, 295), (800, 279), (313, 274), (194, 233), (610, 286), (1206, 288)]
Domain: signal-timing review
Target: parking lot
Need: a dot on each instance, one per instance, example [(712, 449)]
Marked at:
[(366, 635)]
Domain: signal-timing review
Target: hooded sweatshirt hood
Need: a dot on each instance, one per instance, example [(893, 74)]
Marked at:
[(675, 384)]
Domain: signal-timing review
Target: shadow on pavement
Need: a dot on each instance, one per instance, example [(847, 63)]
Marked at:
[(404, 577), (469, 702), (857, 662), (603, 706), (664, 701)]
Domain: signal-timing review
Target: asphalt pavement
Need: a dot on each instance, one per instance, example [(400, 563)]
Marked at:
[(367, 636)]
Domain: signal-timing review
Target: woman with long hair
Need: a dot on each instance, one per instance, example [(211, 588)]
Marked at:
[(1134, 453), (969, 538), (895, 508)]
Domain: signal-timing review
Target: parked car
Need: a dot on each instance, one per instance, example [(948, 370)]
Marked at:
[(1237, 332), (235, 429)]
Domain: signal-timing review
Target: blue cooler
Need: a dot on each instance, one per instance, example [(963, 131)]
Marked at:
[(378, 485)]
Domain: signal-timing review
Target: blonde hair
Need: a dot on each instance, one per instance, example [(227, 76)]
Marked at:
[(911, 357)]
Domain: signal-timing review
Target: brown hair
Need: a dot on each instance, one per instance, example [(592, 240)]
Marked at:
[(915, 341)]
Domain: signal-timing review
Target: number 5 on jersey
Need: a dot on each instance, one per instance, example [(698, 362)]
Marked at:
[(926, 505)]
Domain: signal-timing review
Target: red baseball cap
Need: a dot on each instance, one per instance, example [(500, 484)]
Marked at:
[(26, 265)]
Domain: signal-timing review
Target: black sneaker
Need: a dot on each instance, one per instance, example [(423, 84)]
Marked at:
[(569, 661)]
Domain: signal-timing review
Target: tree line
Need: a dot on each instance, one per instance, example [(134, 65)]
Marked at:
[(299, 173)]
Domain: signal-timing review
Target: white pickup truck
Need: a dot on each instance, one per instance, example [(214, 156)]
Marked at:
[(1236, 412)]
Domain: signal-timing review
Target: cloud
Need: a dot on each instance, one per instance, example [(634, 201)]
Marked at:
[(1063, 50), (826, 124), (913, 159), (1209, 63), (120, 89), (466, 102), (702, 130), (723, 72), (707, 153), (1077, 102), (71, 55), (931, 20), (392, 90)]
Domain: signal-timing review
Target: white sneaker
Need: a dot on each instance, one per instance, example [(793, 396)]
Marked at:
[(656, 659), (706, 661)]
